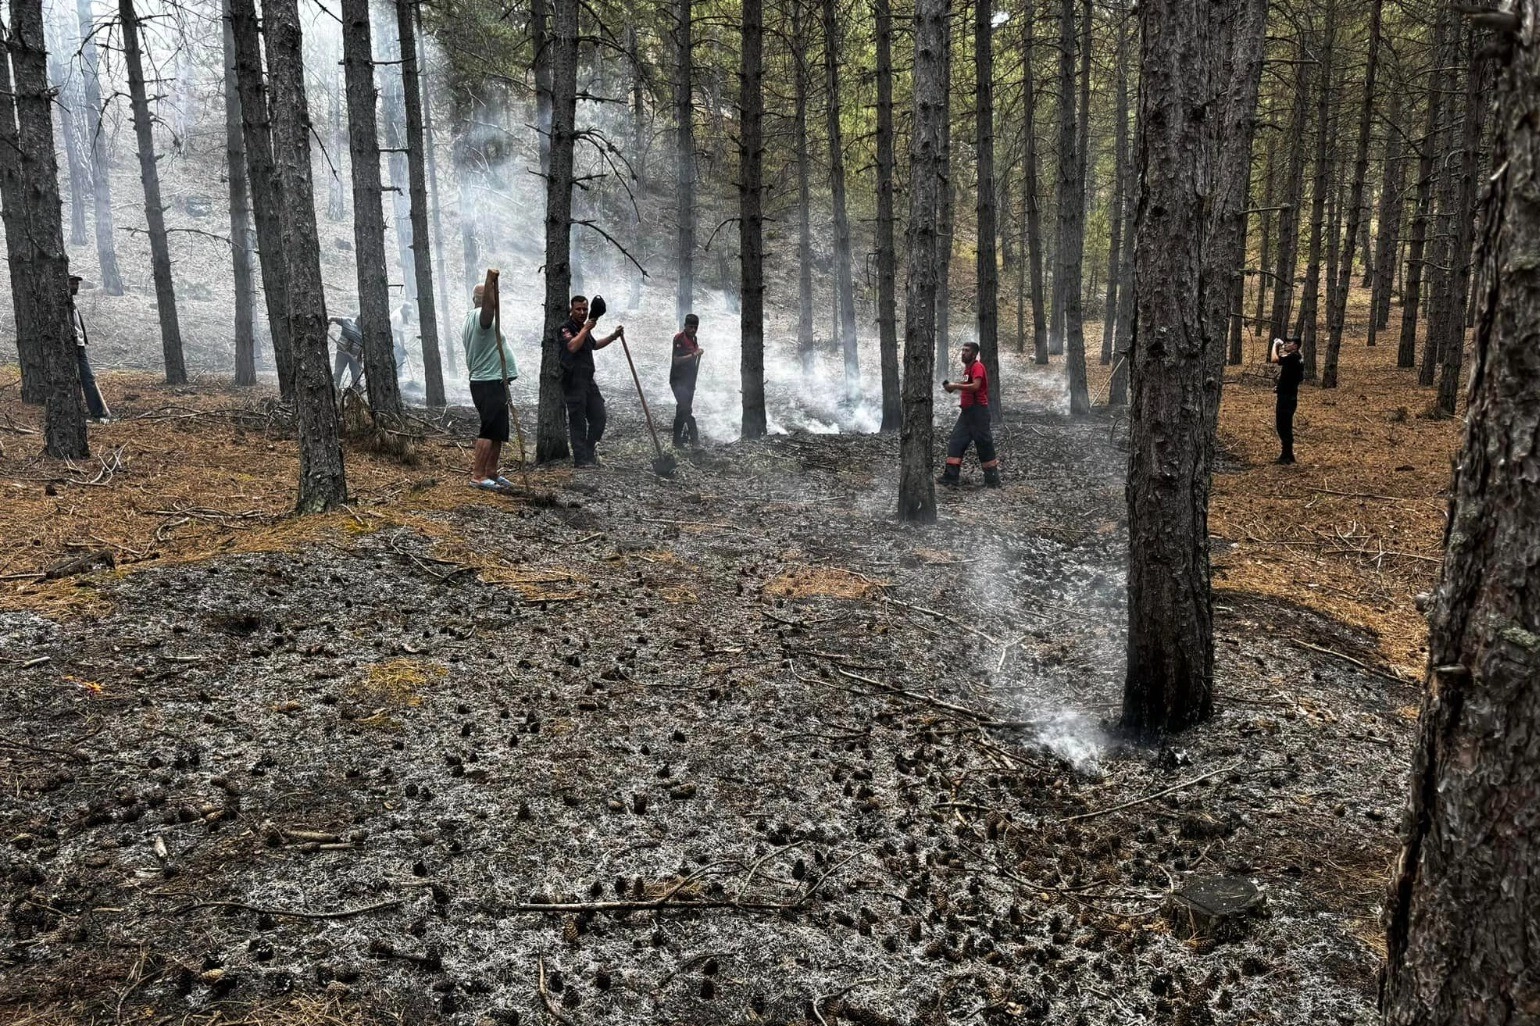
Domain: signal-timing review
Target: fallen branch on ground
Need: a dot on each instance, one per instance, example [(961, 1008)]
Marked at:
[(1150, 797)]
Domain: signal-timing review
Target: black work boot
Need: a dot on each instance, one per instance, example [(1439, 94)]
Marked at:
[(951, 477), (992, 477)]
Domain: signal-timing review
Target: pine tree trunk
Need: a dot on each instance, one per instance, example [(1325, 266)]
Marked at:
[(1066, 194), (154, 210), (843, 278), (1465, 894), (101, 183), (1123, 356), (804, 185), (1452, 345), (1293, 196), (262, 177), (1388, 236), (435, 204), (1336, 315), (80, 178), (1309, 302), (1334, 206), (393, 109), (30, 341), (1427, 165), (322, 482), (887, 254), (369, 215), (563, 48), (34, 180), (639, 147), (1033, 192), (1438, 276), (988, 275), (1193, 175), (1119, 184), (751, 229), (1073, 257), (422, 249), (947, 227), (336, 192), (684, 158), (470, 252), (240, 218), (1264, 262), (927, 172)]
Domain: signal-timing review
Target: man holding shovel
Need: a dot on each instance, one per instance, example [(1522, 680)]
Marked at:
[(585, 405), (681, 378), (491, 367)]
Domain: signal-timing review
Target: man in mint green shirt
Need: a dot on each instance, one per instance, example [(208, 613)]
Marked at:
[(491, 367)]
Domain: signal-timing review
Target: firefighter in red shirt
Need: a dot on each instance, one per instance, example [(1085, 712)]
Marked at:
[(972, 427)]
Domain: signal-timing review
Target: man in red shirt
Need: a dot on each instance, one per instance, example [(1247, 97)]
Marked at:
[(681, 378), (972, 427)]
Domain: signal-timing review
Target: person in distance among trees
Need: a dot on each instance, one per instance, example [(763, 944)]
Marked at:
[(1291, 371), (972, 427), (95, 405), (491, 367), (681, 378), (350, 351), (585, 404)]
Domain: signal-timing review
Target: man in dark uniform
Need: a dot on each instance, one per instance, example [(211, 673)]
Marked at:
[(585, 406), (350, 351), (972, 427), (95, 405), (681, 378), (1291, 371)]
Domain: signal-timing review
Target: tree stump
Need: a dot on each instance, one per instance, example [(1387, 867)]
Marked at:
[(1214, 908)]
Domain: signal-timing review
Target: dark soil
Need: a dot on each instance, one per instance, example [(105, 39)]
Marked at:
[(853, 809)]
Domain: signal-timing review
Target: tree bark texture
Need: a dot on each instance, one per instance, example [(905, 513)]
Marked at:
[(684, 159), (1309, 298), (1294, 193), (417, 176), (1439, 255), (551, 443), (927, 171), (1465, 895), (322, 482), (36, 185), (1392, 199), (336, 192), (804, 181), (1119, 184), (1337, 314), (1452, 345), (887, 253), (369, 214), (843, 278), (1033, 191), (262, 176), (1427, 167), (986, 263), (393, 109), (80, 178), (436, 205), (19, 251), (1066, 194), (240, 218), (751, 226), (1191, 200), (101, 183), (154, 209)]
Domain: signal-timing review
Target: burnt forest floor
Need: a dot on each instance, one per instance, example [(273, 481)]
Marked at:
[(787, 760)]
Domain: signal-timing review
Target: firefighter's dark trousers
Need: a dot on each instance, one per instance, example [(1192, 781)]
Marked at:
[(585, 417), (972, 428)]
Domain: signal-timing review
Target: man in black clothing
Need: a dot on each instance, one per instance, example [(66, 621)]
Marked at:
[(95, 405), (585, 406), (1291, 371), (681, 378), (350, 351)]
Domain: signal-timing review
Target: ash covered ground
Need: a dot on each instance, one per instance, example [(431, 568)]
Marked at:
[(787, 760)]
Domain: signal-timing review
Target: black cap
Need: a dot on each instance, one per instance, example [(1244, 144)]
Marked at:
[(691, 321)]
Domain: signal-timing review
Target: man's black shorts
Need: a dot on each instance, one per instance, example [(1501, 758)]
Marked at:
[(492, 404)]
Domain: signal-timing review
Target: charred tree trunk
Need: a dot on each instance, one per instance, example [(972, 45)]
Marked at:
[(1465, 895), (154, 210), (80, 178), (1123, 355), (322, 482), (887, 254), (1067, 196), (947, 226), (1119, 185), (101, 184), (1337, 314), (1452, 345), (1438, 275), (804, 185), (1193, 170), (417, 175), (435, 201), (1073, 257), (1309, 301), (987, 267), (684, 159), (262, 176), (843, 278), (240, 219), (19, 250), (1387, 238), (1427, 164), (1294, 192), (1033, 192), (393, 108), (927, 173), (369, 214), (563, 47), (751, 229), (33, 175)]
